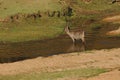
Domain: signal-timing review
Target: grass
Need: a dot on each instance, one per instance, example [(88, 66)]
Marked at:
[(8, 7), (42, 28), (46, 27), (31, 30), (77, 73), (100, 5), (96, 26)]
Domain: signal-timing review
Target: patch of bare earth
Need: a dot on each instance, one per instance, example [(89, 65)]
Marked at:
[(109, 59), (114, 32), (113, 19)]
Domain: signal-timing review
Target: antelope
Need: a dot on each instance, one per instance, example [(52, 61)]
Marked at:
[(75, 35)]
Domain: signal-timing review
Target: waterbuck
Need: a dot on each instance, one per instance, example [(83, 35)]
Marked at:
[(75, 35)]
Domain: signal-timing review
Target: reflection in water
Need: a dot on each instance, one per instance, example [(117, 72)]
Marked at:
[(77, 47), (19, 51)]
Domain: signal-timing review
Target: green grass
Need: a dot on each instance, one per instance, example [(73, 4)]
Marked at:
[(77, 73), (45, 27), (100, 5), (11, 7), (96, 26), (26, 30), (31, 30), (8, 8)]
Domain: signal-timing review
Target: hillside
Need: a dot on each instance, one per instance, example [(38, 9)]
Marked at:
[(34, 45)]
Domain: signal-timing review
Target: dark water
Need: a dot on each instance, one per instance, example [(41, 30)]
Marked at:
[(11, 52)]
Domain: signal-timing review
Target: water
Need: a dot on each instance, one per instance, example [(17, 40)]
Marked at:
[(11, 52)]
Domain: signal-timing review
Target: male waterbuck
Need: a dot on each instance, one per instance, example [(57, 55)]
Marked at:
[(75, 35)]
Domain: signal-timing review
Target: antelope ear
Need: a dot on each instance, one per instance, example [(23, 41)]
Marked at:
[(68, 27)]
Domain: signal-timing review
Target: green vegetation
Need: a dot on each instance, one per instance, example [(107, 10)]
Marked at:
[(31, 30), (96, 26), (86, 72), (49, 27), (11, 7), (100, 5)]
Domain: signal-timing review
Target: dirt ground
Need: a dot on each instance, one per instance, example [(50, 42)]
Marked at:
[(113, 19), (109, 59)]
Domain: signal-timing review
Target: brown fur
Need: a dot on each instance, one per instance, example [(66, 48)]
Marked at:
[(75, 35)]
